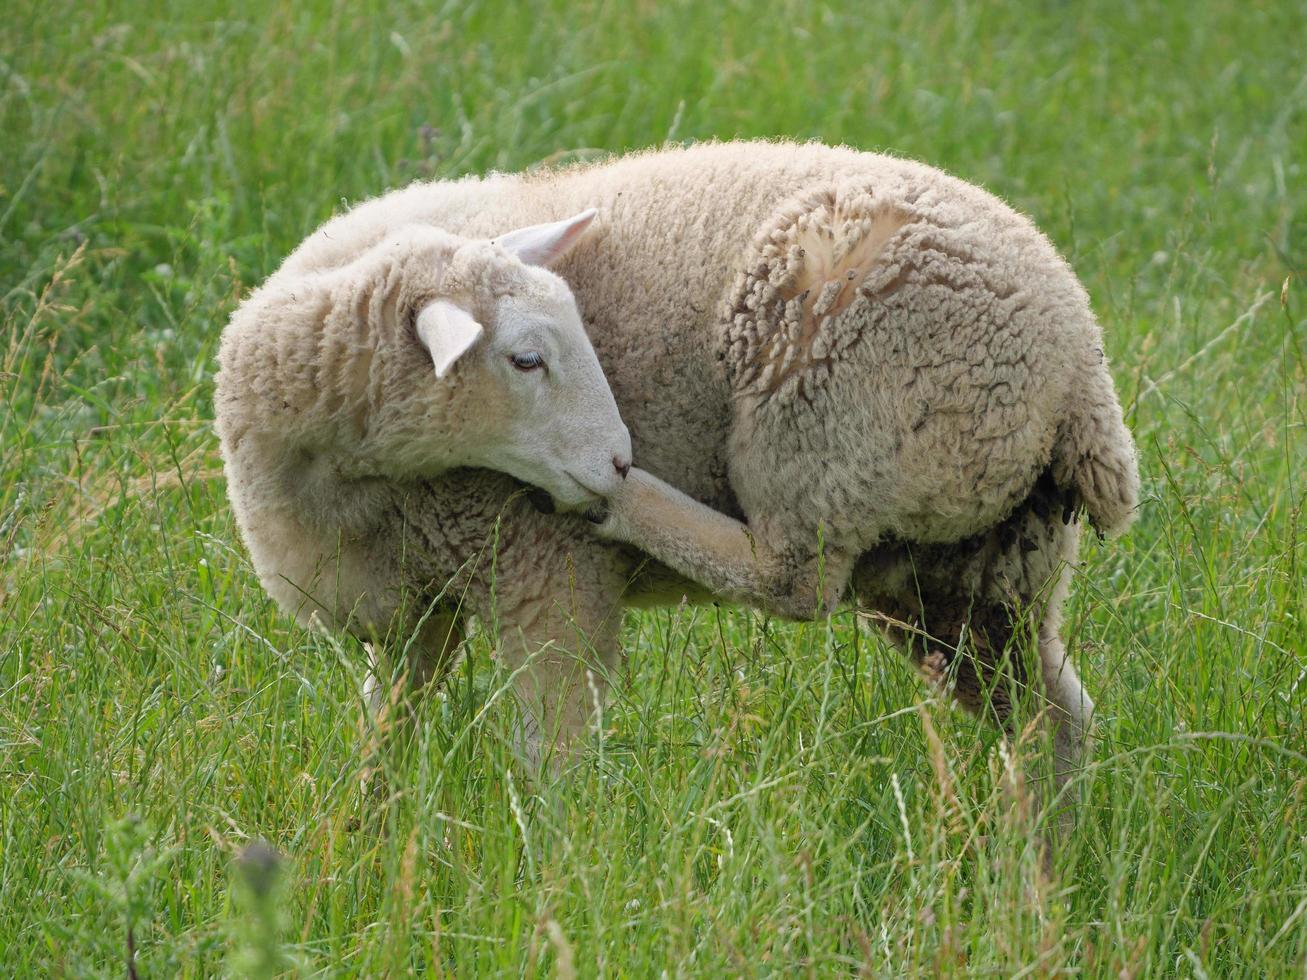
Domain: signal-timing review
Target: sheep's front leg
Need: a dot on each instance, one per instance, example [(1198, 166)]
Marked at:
[(558, 631), (721, 553)]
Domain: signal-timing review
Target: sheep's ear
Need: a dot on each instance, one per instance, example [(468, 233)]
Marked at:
[(546, 244), (447, 331)]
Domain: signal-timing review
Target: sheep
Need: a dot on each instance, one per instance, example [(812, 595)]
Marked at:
[(424, 354), (846, 377)]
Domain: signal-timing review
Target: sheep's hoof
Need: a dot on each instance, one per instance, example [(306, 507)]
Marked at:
[(597, 514), (541, 500)]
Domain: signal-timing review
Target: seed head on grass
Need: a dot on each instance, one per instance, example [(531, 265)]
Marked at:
[(257, 951)]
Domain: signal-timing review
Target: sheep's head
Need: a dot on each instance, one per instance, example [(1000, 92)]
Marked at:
[(535, 402)]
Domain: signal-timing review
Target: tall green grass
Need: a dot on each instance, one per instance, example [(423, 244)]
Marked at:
[(760, 798)]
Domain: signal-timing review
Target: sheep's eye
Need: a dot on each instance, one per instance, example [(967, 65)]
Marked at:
[(528, 361)]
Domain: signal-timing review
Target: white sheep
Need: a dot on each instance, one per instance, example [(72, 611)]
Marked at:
[(425, 353), (845, 376)]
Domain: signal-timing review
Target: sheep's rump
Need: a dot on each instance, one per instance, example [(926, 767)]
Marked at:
[(907, 355)]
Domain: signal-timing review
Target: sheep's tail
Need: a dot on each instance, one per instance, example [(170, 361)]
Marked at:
[(1094, 456)]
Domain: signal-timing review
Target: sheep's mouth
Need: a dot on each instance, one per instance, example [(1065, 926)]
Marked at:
[(545, 503), (592, 495)]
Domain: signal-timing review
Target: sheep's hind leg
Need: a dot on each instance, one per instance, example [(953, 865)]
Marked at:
[(973, 616), (979, 654), (721, 553), (1028, 568), (1070, 715)]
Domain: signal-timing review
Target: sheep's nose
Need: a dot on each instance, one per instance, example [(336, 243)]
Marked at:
[(623, 466)]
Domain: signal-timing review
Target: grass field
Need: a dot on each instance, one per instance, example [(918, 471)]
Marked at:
[(764, 799)]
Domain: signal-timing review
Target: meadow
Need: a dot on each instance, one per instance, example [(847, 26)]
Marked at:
[(761, 798)]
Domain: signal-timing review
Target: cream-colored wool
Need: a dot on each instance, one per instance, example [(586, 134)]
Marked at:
[(337, 385), (808, 344)]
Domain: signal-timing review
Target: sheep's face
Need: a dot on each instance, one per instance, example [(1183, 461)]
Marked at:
[(564, 433), (538, 405)]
